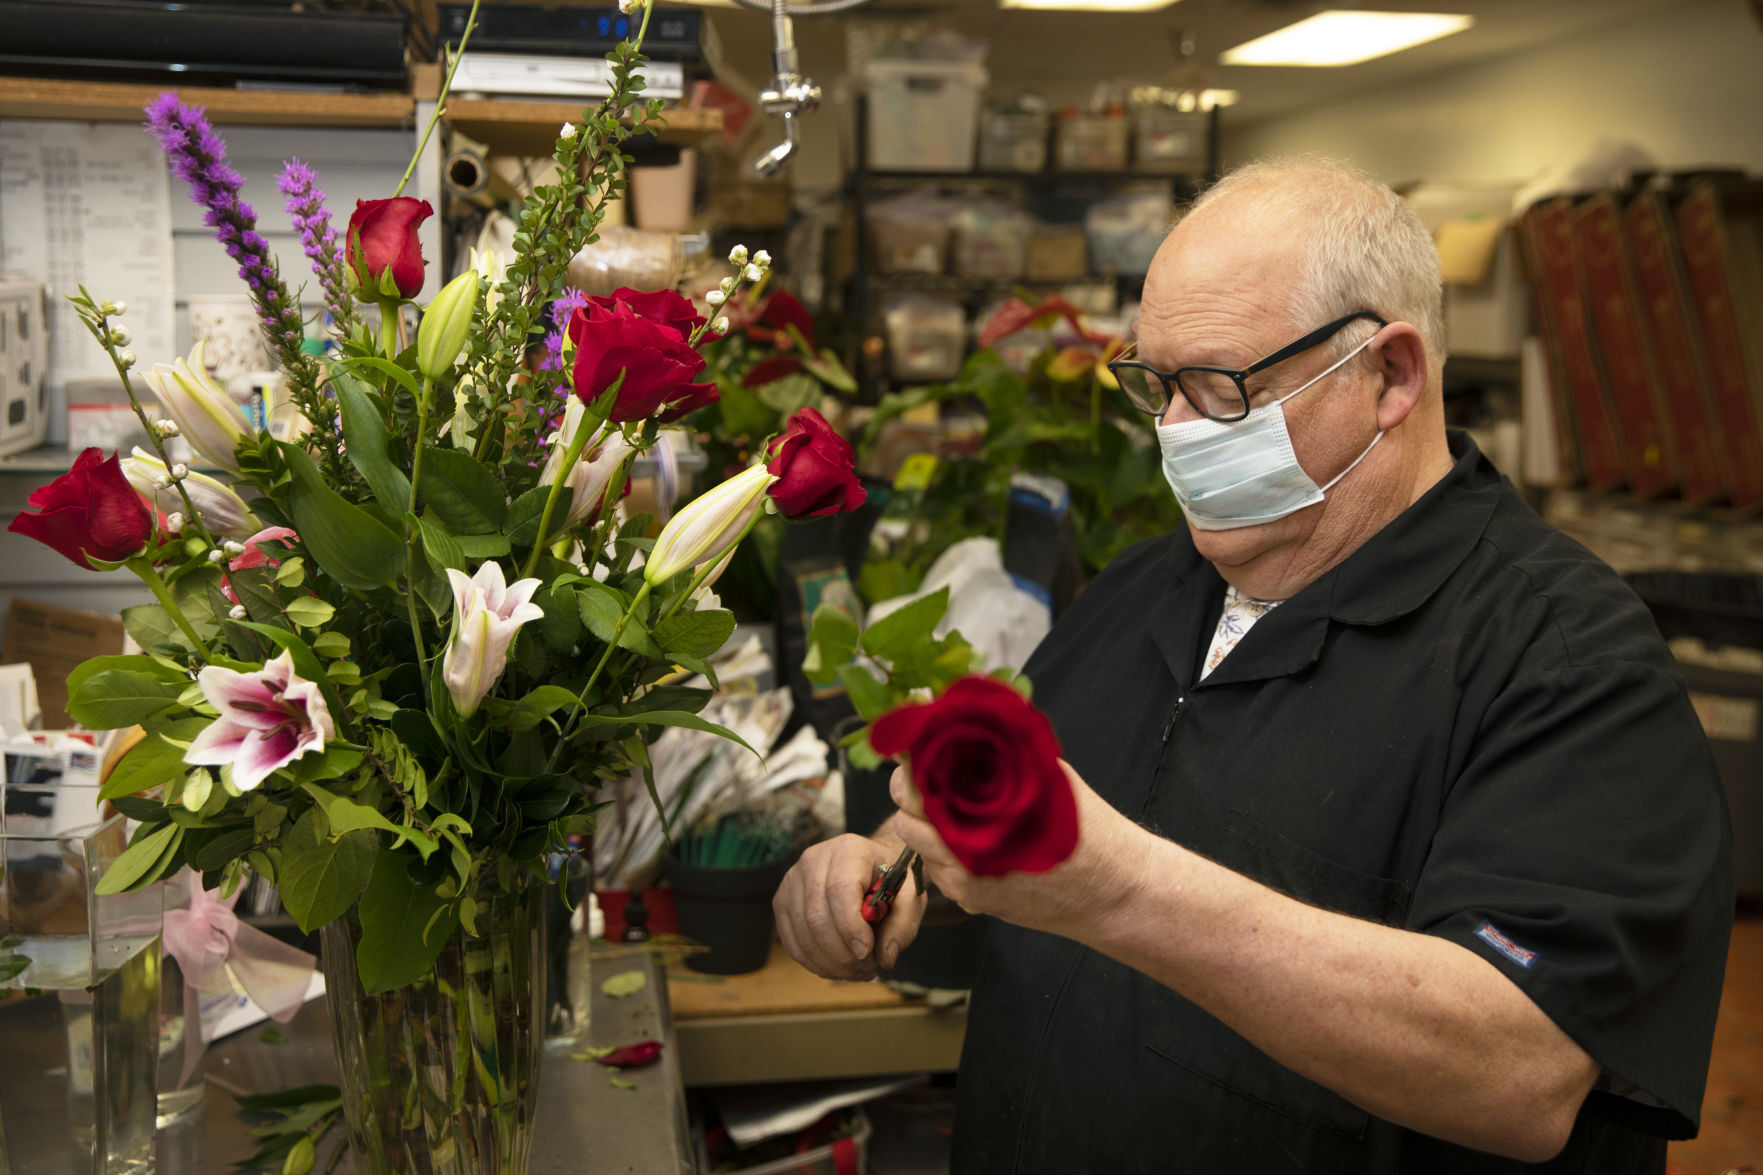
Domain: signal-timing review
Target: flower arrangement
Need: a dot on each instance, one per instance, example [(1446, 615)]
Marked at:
[(388, 661)]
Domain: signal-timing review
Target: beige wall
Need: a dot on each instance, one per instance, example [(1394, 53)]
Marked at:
[(1685, 84)]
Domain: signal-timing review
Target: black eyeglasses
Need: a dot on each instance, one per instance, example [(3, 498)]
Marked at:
[(1217, 393)]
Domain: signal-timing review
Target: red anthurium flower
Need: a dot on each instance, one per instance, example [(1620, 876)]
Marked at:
[(631, 1056), (986, 766), (770, 370), (89, 512), (382, 244), (779, 311), (1016, 315), (815, 468), (611, 337)]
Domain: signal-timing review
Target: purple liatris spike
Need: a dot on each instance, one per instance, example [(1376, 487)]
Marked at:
[(312, 220), (197, 156), (562, 309)]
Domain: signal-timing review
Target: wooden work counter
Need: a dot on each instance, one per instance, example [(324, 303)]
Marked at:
[(782, 1023)]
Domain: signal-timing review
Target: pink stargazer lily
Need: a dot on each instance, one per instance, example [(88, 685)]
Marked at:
[(487, 612), (267, 720)]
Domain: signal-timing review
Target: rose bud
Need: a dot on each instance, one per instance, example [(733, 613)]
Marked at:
[(90, 513), (383, 251), (815, 469), (986, 765)]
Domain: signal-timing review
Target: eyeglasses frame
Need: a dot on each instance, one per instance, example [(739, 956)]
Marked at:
[(1237, 375)]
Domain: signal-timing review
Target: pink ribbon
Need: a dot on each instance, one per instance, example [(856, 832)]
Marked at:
[(213, 948)]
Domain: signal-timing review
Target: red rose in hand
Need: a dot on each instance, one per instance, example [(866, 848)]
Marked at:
[(986, 765), (382, 243), (815, 468), (89, 512), (658, 365)]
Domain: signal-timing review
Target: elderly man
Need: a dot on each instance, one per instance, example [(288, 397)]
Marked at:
[(1401, 847)]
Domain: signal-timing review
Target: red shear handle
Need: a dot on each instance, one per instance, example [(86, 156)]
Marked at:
[(877, 902)]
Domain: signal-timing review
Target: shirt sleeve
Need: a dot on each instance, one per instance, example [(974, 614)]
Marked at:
[(1585, 851)]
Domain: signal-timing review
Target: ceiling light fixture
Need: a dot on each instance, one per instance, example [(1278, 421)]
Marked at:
[(1345, 38), (1089, 5)]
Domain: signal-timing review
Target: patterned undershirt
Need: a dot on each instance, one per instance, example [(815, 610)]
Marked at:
[(1240, 613)]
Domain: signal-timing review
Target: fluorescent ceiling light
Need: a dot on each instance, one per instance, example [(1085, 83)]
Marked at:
[(1089, 5), (1345, 38)]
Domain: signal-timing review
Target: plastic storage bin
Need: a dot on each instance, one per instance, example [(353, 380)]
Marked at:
[(927, 337), (991, 240), (923, 114), (911, 234), (1165, 139), (1013, 140), (1092, 142), (1125, 232)]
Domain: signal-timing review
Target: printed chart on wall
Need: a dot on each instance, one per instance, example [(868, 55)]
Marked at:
[(89, 203)]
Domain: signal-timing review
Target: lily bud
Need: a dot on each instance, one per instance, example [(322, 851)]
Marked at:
[(709, 525), (487, 614), (592, 474), (445, 324), (205, 415), (222, 510)]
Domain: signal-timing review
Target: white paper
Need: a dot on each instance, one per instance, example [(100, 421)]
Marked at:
[(89, 204), (754, 1113)]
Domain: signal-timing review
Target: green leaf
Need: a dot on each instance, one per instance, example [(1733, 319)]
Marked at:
[(664, 718), (398, 375), (561, 625), (400, 932), (154, 761), (345, 815), (443, 547), (871, 697), (143, 862), (320, 878), (697, 634), (484, 546), (330, 644), (217, 848), (532, 709), (115, 698), (310, 612), (151, 625), (832, 641), (292, 572), (602, 607), (352, 546), (522, 521), (462, 491), (895, 635)]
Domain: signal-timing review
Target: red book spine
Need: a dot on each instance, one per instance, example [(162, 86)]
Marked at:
[(1578, 359), (1664, 300), (1649, 455), (1705, 258)]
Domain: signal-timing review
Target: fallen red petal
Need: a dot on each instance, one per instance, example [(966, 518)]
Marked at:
[(631, 1056)]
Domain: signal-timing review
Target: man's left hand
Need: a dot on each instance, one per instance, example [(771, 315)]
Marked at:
[(1102, 873)]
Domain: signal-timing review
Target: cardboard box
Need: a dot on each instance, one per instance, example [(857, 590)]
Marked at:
[(54, 640), (1058, 254), (1487, 300)]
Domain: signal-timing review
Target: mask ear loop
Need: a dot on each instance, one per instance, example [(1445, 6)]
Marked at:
[(1324, 375), (1335, 480)]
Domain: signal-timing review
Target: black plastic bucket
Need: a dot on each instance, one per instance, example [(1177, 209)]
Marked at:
[(728, 910)]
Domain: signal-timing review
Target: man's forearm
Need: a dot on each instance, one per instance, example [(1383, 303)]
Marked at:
[(1413, 1028)]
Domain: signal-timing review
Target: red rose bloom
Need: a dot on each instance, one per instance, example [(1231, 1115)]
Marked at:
[(986, 764), (815, 468), (89, 512), (382, 240), (661, 306), (658, 366)]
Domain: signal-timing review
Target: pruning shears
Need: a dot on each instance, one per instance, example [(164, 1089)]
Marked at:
[(886, 886)]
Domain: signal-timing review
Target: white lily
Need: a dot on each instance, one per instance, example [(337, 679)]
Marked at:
[(709, 525), (487, 612), (223, 511), (592, 474), (206, 416)]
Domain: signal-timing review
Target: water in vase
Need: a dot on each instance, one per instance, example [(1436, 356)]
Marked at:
[(78, 1079)]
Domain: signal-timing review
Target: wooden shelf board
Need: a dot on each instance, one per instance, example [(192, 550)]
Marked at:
[(124, 101), (530, 128)]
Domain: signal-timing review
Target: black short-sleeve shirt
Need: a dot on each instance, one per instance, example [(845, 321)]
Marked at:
[(1469, 728)]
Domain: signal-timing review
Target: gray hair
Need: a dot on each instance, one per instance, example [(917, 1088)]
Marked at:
[(1367, 248)]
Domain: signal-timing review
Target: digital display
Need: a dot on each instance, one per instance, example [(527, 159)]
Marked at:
[(619, 27)]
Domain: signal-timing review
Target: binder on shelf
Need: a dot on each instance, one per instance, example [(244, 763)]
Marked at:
[(1667, 317), (1567, 335), (1631, 373), (1718, 231)]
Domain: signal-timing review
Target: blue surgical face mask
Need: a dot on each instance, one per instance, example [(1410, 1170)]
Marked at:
[(1244, 473)]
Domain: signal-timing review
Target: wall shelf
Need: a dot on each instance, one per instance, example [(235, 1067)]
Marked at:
[(124, 101), (513, 127)]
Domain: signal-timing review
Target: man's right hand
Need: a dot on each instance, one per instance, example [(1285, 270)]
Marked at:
[(819, 908)]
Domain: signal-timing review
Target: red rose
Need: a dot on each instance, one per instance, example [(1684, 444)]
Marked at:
[(382, 242), (815, 468), (662, 306), (658, 366), (770, 370), (986, 765), (702, 396), (89, 512)]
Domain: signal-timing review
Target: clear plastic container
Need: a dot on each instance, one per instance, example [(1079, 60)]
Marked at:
[(1167, 140), (923, 114), (1125, 231), (910, 233), (991, 240), (927, 337), (1013, 140), (1092, 142)]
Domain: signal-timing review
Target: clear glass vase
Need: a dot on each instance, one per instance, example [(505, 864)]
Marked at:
[(440, 1077)]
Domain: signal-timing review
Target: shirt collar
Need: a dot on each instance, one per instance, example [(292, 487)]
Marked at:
[(1401, 566)]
